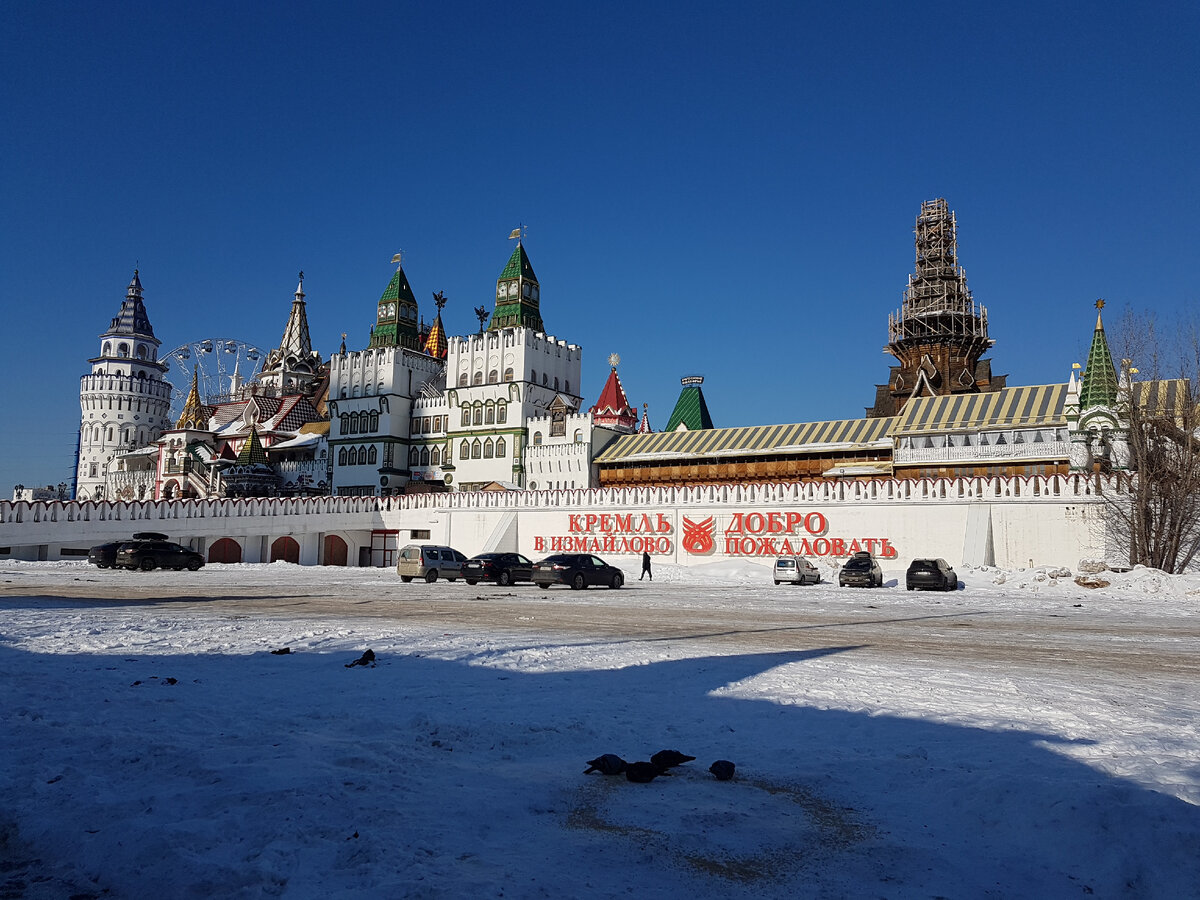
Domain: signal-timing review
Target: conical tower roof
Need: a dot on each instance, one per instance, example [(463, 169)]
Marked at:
[(518, 265), (398, 288), (691, 411), (613, 409), (193, 415), (518, 304), (645, 428), (436, 344), (1099, 387), (252, 452), (295, 341), (132, 319)]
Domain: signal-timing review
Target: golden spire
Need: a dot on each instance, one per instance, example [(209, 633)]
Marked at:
[(193, 415)]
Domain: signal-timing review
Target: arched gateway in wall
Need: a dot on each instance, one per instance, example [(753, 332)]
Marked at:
[(336, 551), (226, 550), (285, 549)]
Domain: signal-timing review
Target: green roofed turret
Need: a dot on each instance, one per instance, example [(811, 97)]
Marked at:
[(396, 315), (1099, 387), (691, 412), (517, 300)]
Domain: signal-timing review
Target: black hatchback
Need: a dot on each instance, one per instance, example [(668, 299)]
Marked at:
[(579, 570), (931, 575), (149, 555), (502, 568)]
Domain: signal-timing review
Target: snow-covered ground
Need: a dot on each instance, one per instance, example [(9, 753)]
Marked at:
[(1022, 737)]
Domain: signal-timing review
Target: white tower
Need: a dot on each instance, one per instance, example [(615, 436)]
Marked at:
[(125, 401)]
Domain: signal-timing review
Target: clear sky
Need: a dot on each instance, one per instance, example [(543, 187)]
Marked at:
[(707, 189)]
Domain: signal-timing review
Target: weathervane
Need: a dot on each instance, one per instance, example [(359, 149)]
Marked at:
[(439, 300), (614, 360), (1099, 304), (518, 233), (481, 314), (398, 258), (302, 276)]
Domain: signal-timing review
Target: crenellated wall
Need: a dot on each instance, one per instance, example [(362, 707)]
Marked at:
[(1010, 522)]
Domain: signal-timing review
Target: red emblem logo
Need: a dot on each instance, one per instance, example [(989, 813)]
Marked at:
[(698, 536)]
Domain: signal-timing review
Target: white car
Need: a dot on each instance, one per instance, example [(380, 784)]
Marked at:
[(796, 570)]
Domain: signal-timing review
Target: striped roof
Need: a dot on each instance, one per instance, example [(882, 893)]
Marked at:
[(1164, 397), (773, 440), (1034, 405)]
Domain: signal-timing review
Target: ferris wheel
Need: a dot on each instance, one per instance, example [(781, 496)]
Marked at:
[(222, 366)]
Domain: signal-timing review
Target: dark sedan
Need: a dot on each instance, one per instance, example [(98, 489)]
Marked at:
[(502, 568), (579, 570), (149, 555), (931, 575)]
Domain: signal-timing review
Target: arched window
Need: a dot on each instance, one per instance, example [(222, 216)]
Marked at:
[(141, 351), (568, 387), (466, 416), (556, 383), (374, 421), (414, 457), (464, 450), (500, 448), (489, 413), (424, 456), (462, 379), (493, 376), (435, 456), (477, 378), (342, 457), (501, 413), (578, 435), (537, 438), (476, 449), (508, 374), (344, 419), (110, 433), (479, 415), (372, 455), (545, 378), (122, 350), (488, 448), (107, 349), (93, 470), (533, 375)]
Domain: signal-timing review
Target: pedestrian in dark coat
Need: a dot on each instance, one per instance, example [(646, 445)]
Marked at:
[(646, 567)]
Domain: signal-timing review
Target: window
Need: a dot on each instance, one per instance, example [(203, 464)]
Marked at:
[(466, 415), (537, 438), (493, 376), (374, 421), (489, 413), (501, 413), (372, 456), (477, 378), (92, 470), (533, 375), (500, 448), (508, 374), (558, 427), (426, 422), (545, 378), (424, 456), (556, 383), (141, 351), (464, 451), (435, 456), (414, 426), (476, 449), (488, 448), (414, 457), (122, 350), (578, 435), (478, 415), (342, 457), (568, 387)]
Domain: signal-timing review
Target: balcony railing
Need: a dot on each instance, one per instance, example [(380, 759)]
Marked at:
[(1044, 450)]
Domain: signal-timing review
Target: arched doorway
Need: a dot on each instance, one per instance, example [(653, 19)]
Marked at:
[(285, 549), (226, 550), (335, 551)]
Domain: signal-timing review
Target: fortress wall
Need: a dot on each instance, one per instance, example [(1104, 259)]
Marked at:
[(1053, 520)]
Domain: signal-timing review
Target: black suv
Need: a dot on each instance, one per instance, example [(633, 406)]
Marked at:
[(931, 575), (861, 570), (149, 555), (502, 568), (102, 556)]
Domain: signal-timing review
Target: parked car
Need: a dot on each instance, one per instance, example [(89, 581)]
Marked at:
[(104, 556), (502, 568), (148, 555), (796, 570), (429, 561), (861, 570), (931, 575), (579, 570)]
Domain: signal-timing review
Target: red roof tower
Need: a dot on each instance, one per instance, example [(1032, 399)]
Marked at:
[(613, 410)]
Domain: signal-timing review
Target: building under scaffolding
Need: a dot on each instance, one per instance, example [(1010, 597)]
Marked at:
[(939, 333)]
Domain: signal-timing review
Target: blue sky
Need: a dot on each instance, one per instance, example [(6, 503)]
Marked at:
[(712, 190)]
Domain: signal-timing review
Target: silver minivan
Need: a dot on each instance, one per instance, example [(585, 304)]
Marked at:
[(796, 570), (429, 561)]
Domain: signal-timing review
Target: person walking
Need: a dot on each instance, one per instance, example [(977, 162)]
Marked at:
[(646, 567)]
